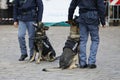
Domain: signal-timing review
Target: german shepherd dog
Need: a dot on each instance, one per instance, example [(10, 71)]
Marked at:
[(42, 46), (69, 57)]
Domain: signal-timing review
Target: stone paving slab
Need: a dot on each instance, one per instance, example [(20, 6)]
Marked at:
[(108, 58)]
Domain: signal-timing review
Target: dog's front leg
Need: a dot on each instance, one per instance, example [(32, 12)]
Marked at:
[(74, 62), (39, 57), (40, 54), (33, 57)]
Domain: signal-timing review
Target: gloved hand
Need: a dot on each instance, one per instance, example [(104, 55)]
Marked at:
[(71, 22)]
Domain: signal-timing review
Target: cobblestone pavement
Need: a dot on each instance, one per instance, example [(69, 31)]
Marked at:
[(108, 58)]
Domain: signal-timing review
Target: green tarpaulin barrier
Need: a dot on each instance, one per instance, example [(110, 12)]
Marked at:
[(49, 24)]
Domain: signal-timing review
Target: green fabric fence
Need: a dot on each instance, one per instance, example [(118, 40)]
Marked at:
[(49, 24)]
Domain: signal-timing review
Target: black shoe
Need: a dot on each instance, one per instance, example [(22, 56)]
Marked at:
[(92, 66), (22, 57), (83, 66)]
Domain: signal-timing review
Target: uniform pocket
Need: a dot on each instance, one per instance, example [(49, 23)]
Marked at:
[(91, 17)]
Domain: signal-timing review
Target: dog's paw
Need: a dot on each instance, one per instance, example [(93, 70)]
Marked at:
[(32, 60), (38, 62)]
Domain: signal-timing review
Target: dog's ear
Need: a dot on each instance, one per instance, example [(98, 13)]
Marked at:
[(40, 24)]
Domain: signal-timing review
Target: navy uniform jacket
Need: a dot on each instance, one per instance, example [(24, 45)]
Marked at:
[(28, 10), (88, 5)]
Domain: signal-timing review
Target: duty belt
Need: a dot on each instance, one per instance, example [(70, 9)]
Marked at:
[(24, 11), (84, 10)]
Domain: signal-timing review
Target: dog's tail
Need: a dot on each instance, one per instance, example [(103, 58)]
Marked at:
[(51, 69)]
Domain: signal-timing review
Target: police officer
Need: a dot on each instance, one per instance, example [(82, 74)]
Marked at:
[(91, 13), (27, 12)]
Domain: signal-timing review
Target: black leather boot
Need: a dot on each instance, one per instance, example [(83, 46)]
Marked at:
[(22, 57)]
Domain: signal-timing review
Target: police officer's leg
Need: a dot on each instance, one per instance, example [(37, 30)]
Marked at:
[(83, 42), (31, 33), (94, 33), (21, 38)]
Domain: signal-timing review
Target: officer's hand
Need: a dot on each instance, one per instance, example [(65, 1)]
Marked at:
[(71, 22), (15, 24), (104, 26)]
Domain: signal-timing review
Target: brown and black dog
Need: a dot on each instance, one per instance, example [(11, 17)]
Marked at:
[(42, 45), (69, 58)]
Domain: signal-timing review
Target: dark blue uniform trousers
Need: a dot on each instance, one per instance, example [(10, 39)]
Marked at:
[(88, 27)]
